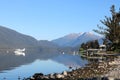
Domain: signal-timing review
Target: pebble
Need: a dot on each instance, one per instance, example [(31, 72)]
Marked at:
[(65, 73)]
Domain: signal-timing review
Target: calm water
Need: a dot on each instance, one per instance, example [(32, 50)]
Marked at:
[(14, 66)]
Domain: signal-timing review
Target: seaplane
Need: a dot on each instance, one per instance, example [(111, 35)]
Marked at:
[(19, 52)]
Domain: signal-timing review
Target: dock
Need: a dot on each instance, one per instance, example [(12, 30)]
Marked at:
[(96, 54)]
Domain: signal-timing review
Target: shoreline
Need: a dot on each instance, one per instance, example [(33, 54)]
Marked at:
[(101, 70)]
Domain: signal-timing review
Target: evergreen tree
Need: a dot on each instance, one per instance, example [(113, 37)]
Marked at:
[(111, 31), (90, 44), (83, 46), (96, 44)]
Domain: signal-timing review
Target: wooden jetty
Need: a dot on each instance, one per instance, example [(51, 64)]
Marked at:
[(95, 54)]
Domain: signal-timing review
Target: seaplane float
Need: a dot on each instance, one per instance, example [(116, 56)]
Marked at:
[(19, 52)]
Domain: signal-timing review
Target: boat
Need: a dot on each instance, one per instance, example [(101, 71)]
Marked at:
[(19, 52)]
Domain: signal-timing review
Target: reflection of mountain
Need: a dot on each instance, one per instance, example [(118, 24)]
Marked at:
[(73, 40), (70, 60), (10, 61)]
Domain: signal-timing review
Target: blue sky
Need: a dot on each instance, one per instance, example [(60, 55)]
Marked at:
[(51, 19)]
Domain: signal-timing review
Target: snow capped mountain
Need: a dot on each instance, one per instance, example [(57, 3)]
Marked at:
[(66, 39), (85, 37), (73, 35), (76, 39)]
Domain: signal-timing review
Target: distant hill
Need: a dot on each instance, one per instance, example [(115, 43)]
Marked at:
[(48, 46), (47, 43), (76, 39), (10, 38)]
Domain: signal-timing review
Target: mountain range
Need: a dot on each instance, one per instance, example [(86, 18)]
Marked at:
[(12, 39), (76, 39)]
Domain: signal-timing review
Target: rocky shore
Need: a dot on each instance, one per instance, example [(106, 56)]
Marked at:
[(105, 70), (114, 72)]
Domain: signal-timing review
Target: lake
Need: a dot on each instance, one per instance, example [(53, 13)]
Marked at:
[(13, 66)]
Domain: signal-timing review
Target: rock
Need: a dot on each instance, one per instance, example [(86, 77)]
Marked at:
[(38, 74), (32, 78), (64, 73), (112, 63), (51, 76), (111, 78), (59, 76), (46, 77)]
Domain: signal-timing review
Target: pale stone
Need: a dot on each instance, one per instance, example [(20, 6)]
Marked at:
[(110, 78), (59, 76), (51, 76), (65, 73)]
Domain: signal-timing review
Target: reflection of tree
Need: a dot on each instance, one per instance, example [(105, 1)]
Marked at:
[(8, 60)]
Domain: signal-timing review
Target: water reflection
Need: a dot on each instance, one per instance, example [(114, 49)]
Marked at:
[(70, 60), (34, 61), (44, 66)]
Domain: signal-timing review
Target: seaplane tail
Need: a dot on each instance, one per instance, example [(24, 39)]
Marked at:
[(23, 49)]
